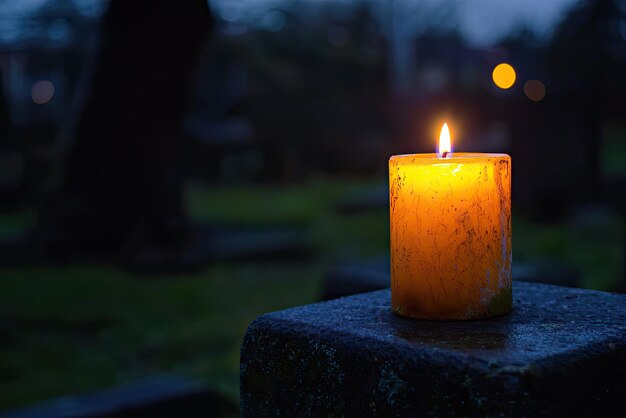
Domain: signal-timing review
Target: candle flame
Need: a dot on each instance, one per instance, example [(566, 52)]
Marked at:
[(445, 146)]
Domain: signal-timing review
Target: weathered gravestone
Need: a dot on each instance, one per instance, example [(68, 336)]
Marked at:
[(561, 352)]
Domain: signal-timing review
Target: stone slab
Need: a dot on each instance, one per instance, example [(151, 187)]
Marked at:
[(156, 397), (561, 352)]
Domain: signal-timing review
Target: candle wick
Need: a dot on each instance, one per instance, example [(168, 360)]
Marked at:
[(445, 154)]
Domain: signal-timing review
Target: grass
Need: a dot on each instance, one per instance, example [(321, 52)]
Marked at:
[(79, 327), (591, 241), (613, 150), (13, 223)]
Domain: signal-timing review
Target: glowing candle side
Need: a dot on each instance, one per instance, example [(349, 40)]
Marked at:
[(450, 222)]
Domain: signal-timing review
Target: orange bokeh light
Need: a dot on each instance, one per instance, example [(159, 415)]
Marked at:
[(504, 75)]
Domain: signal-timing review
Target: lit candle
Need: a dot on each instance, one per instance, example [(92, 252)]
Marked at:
[(450, 217)]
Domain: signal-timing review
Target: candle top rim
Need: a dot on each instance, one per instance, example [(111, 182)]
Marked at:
[(456, 157)]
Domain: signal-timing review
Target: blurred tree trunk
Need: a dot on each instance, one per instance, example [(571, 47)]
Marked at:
[(122, 168)]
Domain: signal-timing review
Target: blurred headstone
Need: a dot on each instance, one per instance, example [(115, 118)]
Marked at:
[(212, 142), (370, 200), (545, 271), (158, 397), (359, 277), (373, 274), (225, 243)]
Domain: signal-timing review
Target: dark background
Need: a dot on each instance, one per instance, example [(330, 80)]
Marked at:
[(168, 173)]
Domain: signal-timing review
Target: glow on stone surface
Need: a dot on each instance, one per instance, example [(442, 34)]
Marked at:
[(450, 224)]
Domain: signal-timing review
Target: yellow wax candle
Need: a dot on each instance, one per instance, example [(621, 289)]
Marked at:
[(450, 218)]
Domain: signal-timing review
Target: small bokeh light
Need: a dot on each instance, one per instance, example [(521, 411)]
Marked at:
[(503, 76), (535, 90), (42, 91)]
